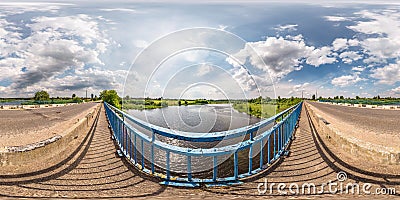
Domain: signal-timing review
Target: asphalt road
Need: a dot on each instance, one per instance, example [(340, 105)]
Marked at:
[(377, 120), (15, 122)]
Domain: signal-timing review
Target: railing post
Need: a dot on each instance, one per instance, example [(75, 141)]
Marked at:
[(275, 141), (261, 153), (130, 144), (124, 136), (189, 168), (141, 141), (215, 168), (289, 128), (250, 158), (235, 165), (269, 148), (279, 138), (167, 164), (119, 131), (283, 131), (135, 151), (153, 137), (284, 138)]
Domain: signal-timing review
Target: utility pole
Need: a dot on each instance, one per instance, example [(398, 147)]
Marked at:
[(302, 94), (86, 93)]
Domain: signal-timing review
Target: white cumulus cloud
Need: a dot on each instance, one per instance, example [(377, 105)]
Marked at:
[(53, 46), (358, 69), (337, 18), (346, 80), (350, 56), (278, 56), (383, 34), (396, 90), (204, 69), (287, 27), (388, 74)]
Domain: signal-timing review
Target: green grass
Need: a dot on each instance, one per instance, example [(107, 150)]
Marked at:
[(142, 104), (257, 110), (6, 100), (265, 109)]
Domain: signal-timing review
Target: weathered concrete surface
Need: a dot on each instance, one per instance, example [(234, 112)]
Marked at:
[(378, 121), (24, 154), (20, 107), (379, 146), (386, 107), (23, 127), (94, 171)]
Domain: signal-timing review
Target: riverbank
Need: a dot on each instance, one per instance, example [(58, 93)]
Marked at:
[(265, 109), (260, 108), (146, 104)]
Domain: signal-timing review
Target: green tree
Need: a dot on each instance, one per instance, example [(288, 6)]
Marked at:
[(179, 103), (42, 96), (91, 97), (73, 95), (313, 97), (111, 97)]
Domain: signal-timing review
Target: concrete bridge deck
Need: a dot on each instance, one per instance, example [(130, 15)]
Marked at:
[(377, 126), (94, 171), (23, 127)]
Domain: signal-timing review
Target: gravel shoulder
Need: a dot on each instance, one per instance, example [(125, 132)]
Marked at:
[(22, 127), (376, 126)]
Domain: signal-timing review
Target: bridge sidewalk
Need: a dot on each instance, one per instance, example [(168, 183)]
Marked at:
[(94, 171)]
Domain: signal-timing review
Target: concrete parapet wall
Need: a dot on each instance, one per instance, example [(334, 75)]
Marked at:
[(19, 107), (56, 145), (389, 107), (352, 145)]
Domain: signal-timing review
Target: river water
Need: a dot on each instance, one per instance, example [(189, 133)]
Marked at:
[(12, 103), (196, 119)]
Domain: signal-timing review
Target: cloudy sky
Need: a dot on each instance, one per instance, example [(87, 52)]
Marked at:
[(241, 50)]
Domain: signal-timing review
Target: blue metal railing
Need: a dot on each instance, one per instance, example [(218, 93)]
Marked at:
[(273, 142)]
